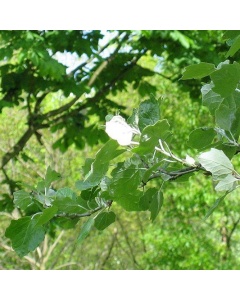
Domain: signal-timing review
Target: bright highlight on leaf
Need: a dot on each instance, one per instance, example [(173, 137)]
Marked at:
[(119, 130), (189, 160)]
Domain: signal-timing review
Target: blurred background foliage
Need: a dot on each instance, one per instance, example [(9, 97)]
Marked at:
[(56, 87)]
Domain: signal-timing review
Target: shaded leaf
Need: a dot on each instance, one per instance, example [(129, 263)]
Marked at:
[(226, 79), (156, 204), (151, 135), (150, 171), (86, 228), (198, 71), (51, 176), (130, 201), (147, 197), (201, 137), (148, 113), (22, 199), (210, 99), (47, 215), (66, 193), (69, 203), (234, 47), (231, 34), (126, 180), (215, 205), (225, 117), (228, 183), (100, 165), (104, 219), (25, 235)]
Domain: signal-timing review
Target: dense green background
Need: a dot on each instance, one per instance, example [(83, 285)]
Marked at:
[(53, 116)]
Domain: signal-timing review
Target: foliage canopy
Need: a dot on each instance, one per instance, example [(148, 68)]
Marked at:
[(140, 162)]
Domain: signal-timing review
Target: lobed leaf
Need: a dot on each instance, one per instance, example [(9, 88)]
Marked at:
[(51, 176), (151, 135)]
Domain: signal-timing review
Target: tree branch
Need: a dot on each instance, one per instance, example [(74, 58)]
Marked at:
[(92, 58), (18, 147), (90, 83), (87, 214), (175, 174)]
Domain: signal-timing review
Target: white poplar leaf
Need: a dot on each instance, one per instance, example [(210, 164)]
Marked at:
[(119, 130), (189, 160), (216, 162), (226, 184)]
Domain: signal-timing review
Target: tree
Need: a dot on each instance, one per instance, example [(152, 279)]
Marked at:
[(145, 155)]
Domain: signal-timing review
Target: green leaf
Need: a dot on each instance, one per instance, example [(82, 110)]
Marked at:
[(130, 201), (215, 205), (148, 113), (210, 99), (104, 219), (228, 183), (216, 162), (198, 71), (51, 176), (66, 193), (22, 199), (227, 114), (184, 40), (86, 228), (201, 137), (25, 235), (126, 180), (234, 47), (156, 204), (226, 79), (147, 197), (150, 171), (47, 215), (151, 135), (65, 223), (87, 166), (225, 117), (100, 165), (133, 119), (231, 34), (67, 201)]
